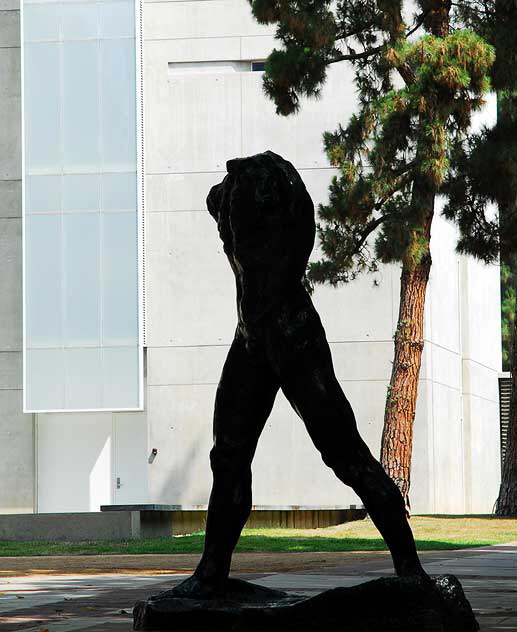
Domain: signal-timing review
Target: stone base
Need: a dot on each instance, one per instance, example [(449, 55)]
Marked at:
[(388, 604)]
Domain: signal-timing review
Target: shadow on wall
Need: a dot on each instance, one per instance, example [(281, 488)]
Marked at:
[(184, 477)]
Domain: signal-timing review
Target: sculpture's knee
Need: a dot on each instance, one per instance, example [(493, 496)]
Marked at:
[(353, 465), (232, 480), (228, 461)]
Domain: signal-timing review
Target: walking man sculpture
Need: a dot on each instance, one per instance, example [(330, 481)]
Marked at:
[(265, 219)]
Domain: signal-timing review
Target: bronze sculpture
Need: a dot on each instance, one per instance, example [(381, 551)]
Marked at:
[(265, 219)]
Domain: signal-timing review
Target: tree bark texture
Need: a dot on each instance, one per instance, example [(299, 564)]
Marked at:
[(507, 501), (399, 415)]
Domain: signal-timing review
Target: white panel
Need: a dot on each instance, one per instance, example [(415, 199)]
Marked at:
[(81, 192), (118, 114), (41, 22), (43, 194), (119, 192), (81, 106), (43, 279), (82, 279), (119, 279), (79, 20), (41, 106), (83, 378), (117, 19), (120, 377), (46, 378), (80, 204)]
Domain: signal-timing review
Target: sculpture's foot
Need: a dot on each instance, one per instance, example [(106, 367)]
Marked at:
[(193, 588), (412, 569)]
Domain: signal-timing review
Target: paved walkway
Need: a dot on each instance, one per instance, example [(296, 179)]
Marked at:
[(80, 601)]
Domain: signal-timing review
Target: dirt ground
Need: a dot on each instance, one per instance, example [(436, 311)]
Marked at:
[(181, 563)]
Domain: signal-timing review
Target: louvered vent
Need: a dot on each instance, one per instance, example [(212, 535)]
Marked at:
[(505, 395)]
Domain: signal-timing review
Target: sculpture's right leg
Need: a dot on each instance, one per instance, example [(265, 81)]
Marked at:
[(244, 400)]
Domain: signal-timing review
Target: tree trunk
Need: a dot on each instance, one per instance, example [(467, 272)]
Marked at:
[(507, 501), (399, 415)]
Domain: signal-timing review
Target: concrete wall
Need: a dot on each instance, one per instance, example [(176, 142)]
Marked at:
[(195, 121), (72, 527), (16, 429)]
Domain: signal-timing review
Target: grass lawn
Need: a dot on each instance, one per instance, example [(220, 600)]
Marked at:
[(432, 533)]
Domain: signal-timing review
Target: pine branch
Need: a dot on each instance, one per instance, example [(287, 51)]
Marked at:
[(398, 184), (418, 23), (356, 56), (368, 230), (407, 74)]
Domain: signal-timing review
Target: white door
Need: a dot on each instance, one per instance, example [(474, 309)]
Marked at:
[(130, 461), (85, 460), (74, 461)]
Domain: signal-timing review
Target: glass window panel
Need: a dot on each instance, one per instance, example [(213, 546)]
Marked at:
[(118, 115), (80, 106), (119, 279), (42, 194), (43, 280), (41, 105), (120, 376), (119, 191), (41, 22), (81, 281), (117, 19), (83, 369), (81, 265), (45, 379), (79, 21), (81, 192)]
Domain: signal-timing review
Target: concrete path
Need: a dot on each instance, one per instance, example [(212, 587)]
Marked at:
[(75, 602)]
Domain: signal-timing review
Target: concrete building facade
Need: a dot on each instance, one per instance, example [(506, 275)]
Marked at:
[(203, 104)]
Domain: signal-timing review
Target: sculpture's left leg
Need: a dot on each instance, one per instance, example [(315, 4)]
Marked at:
[(244, 400), (309, 383)]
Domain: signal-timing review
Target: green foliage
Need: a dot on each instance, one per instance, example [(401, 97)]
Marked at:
[(495, 20), (397, 148), (485, 166), (485, 174), (397, 138)]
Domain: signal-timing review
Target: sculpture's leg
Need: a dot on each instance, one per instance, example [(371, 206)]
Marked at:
[(244, 400), (309, 383)]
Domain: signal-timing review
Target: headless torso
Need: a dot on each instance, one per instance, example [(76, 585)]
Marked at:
[(265, 219)]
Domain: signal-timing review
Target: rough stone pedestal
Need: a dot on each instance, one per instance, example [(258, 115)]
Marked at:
[(383, 605)]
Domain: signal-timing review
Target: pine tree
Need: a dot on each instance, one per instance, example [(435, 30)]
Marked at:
[(486, 174), (417, 86)]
